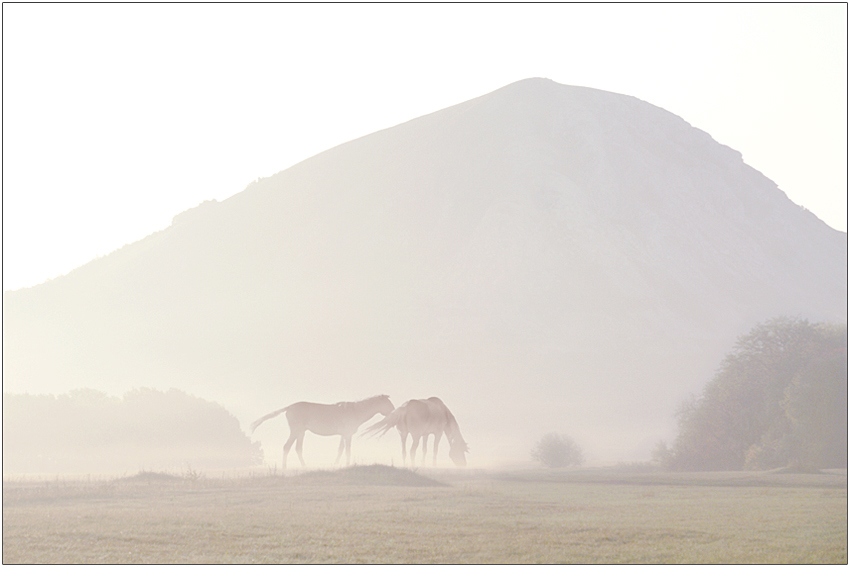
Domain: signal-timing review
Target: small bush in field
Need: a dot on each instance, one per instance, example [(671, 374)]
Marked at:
[(554, 450)]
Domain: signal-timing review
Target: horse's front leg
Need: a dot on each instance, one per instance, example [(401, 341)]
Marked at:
[(347, 451), (437, 437), (424, 448), (341, 447), (403, 448), (413, 446)]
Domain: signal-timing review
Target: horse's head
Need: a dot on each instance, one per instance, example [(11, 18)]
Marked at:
[(457, 452), (385, 406)]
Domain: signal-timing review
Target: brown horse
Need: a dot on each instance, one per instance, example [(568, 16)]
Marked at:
[(343, 419), (421, 418)]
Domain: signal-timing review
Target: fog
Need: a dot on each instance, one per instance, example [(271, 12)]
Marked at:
[(85, 431), (543, 258)]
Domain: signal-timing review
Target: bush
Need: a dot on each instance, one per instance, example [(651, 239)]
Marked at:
[(554, 450), (662, 455)]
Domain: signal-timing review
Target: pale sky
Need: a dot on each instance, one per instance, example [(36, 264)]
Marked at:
[(116, 117)]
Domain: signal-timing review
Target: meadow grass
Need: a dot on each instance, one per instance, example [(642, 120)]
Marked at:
[(385, 515)]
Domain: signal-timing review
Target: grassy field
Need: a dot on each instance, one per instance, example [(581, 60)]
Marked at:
[(380, 514)]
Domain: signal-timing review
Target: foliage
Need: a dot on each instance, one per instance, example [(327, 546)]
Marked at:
[(662, 455), (778, 399), (554, 450), (89, 431)]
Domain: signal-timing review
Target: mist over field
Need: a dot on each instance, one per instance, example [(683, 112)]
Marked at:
[(542, 258)]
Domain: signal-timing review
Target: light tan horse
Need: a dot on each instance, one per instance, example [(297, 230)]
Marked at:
[(343, 419), (421, 418)]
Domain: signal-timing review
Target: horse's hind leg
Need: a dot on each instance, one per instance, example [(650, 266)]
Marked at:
[(288, 446), (299, 446)]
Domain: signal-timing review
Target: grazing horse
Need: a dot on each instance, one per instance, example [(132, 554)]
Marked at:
[(421, 418), (343, 419)]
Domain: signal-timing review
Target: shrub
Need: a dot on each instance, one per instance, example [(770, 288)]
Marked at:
[(554, 450)]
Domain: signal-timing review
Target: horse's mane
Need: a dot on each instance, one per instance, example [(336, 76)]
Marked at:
[(375, 397), (370, 398), (451, 423)]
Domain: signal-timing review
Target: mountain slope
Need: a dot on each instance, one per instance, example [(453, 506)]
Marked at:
[(543, 258)]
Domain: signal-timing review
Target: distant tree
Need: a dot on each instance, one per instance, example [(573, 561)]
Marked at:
[(780, 397), (662, 455), (554, 450), (89, 431)]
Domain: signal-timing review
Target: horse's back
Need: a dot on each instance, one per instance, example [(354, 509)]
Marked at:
[(325, 419), (318, 418), (299, 409), (417, 410), (437, 406), (423, 417)]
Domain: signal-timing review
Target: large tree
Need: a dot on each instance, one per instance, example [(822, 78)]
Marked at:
[(779, 398)]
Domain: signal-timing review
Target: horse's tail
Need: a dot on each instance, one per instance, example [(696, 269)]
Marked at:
[(267, 416), (385, 424)]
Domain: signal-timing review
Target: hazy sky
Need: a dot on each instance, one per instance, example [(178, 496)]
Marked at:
[(116, 117)]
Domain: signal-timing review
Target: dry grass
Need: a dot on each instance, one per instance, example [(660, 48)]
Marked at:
[(385, 515)]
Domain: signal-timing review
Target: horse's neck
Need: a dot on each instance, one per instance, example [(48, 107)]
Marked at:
[(452, 430), (366, 409)]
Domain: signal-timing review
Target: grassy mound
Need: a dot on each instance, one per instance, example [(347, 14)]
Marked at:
[(797, 469), (369, 475), (151, 478)]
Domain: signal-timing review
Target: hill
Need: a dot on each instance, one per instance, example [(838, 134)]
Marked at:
[(543, 257)]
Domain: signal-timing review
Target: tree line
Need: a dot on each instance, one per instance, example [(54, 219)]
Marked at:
[(86, 431)]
